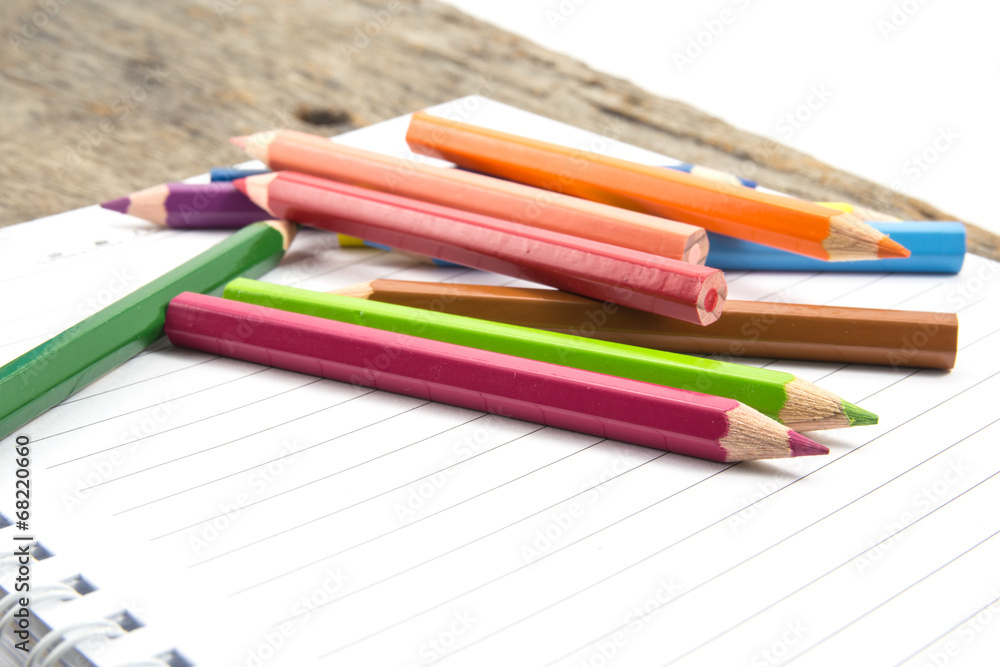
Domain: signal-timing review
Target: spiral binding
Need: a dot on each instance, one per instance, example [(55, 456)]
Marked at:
[(57, 644)]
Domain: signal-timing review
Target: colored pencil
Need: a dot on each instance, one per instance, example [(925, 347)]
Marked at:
[(476, 193), (223, 174), (935, 247), (190, 206), (746, 328), (56, 369), (676, 420), (774, 220), (641, 280), (713, 174), (794, 402)]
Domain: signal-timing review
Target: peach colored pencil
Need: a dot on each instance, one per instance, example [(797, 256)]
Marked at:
[(310, 154)]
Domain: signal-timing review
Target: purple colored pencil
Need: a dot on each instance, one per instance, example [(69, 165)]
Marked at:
[(676, 420), (191, 206)]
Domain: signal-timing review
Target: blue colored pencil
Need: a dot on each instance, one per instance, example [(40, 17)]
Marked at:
[(935, 247), (232, 173)]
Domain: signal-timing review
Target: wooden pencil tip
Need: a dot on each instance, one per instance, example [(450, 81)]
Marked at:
[(859, 416), (887, 248), (119, 205), (286, 229), (800, 445), (255, 145), (358, 290), (255, 187)]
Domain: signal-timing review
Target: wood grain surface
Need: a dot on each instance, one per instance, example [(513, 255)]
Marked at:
[(103, 97)]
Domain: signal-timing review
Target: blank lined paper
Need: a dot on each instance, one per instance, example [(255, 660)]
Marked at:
[(249, 515)]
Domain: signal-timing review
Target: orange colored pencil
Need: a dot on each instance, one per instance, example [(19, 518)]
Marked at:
[(476, 193), (782, 222)]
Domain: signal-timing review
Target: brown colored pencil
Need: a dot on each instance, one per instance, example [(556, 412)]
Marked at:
[(781, 222), (477, 193), (745, 329)]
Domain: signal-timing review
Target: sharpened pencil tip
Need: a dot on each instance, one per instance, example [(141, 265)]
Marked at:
[(887, 248), (859, 416), (241, 185), (239, 142), (800, 445), (119, 205)]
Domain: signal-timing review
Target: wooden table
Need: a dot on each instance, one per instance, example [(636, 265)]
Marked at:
[(103, 97)]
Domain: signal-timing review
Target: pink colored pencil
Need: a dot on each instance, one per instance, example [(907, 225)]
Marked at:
[(676, 420), (672, 288)]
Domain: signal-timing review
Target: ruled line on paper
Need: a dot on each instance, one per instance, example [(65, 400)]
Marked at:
[(450, 540), (428, 516), (852, 558), (318, 479), (702, 529)]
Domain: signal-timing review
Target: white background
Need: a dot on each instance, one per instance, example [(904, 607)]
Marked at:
[(886, 78)]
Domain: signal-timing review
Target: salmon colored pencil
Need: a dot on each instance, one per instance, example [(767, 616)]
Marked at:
[(668, 287), (676, 420), (318, 156), (782, 222)]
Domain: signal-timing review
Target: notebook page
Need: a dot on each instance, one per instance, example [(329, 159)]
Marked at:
[(255, 516)]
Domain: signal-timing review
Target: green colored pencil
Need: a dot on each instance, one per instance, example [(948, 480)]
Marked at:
[(798, 404), (56, 369)]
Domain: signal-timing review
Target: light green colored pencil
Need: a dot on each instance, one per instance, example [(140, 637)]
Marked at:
[(798, 404)]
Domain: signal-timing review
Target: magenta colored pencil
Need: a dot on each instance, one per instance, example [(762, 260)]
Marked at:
[(641, 280), (676, 420), (191, 206)]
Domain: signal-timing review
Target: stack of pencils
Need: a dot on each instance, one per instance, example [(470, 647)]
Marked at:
[(630, 250)]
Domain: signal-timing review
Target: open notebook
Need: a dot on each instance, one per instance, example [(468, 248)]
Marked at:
[(244, 515)]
